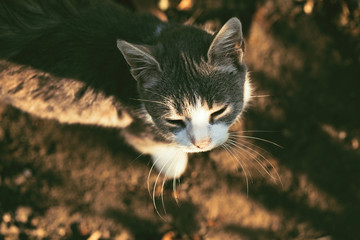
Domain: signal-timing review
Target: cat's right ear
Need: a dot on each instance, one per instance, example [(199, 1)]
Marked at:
[(228, 44), (143, 65)]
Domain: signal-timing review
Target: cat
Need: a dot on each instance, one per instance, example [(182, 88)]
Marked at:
[(171, 89)]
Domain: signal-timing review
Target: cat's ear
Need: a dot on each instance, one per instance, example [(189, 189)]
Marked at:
[(143, 65), (227, 45)]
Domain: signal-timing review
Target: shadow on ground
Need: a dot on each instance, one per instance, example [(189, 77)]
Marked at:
[(71, 182)]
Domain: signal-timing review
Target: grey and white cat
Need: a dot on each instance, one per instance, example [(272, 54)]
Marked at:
[(171, 89)]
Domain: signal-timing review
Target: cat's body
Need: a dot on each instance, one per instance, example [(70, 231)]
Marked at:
[(185, 87)]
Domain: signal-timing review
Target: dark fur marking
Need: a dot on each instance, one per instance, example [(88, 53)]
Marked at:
[(80, 93), (17, 88)]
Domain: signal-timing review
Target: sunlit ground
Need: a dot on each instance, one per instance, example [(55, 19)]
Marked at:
[(77, 182)]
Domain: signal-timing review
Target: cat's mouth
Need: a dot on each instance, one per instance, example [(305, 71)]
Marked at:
[(195, 149)]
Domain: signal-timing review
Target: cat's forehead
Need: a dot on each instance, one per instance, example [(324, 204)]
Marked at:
[(202, 67), (195, 109)]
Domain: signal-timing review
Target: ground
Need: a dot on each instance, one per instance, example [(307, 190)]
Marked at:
[(82, 182)]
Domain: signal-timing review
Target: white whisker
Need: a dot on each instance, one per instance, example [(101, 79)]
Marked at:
[(145, 100), (229, 142), (148, 178), (244, 144), (162, 189), (137, 157), (164, 180), (235, 137), (154, 191), (228, 149), (238, 146), (252, 156), (257, 138), (174, 188), (255, 131), (162, 193)]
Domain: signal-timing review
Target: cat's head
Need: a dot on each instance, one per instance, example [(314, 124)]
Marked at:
[(193, 84)]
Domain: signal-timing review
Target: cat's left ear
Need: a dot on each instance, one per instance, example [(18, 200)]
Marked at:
[(228, 45), (143, 65)]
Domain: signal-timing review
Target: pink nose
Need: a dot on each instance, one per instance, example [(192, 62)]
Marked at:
[(202, 143)]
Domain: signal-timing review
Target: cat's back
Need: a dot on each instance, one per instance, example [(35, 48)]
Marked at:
[(38, 16), (32, 31)]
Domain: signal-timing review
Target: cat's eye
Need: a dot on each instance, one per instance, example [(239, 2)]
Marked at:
[(217, 113), (176, 122)]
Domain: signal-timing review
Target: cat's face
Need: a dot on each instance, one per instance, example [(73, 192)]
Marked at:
[(196, 95), (196, 112)]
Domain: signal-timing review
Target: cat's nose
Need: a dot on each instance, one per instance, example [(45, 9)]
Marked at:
[(203, 143)]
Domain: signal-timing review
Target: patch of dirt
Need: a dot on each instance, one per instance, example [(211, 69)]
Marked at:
[(83, 182)]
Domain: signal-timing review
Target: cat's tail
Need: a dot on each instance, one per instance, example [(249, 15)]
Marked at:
[(23, 21), (25, 14)]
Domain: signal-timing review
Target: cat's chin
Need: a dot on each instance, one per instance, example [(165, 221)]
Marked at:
[(195, 149)]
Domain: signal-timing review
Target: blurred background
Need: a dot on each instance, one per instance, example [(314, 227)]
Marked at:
[(83, 182)]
